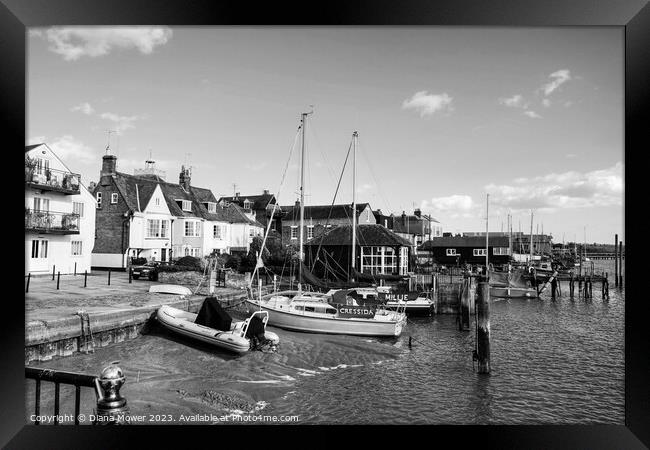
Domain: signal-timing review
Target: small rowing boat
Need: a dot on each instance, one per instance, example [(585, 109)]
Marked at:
[(170, 289), (214, 325)]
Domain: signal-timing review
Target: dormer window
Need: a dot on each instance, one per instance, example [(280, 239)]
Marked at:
[(247, 204), (211, 207), (186, 205)]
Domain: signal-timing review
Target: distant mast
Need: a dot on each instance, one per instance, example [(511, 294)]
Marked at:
[(530, 244), (302, 198), (355, 137)]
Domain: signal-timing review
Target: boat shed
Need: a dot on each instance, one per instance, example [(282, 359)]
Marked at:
[(452, 250), (379, 251)]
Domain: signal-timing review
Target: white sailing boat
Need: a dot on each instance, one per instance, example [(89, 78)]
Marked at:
[(314, 312)]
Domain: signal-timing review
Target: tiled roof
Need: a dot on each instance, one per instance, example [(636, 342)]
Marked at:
[(237, 215), (322, 212), (464, 241), (368, 234), (32, 147), (258, 201), (127, 185)]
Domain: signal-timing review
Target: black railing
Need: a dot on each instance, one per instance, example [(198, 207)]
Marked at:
[(77, 380), (52, 179), (66, 223), (111, 406)]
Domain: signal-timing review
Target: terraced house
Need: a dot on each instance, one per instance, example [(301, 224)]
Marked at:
[(142, 215), (59, 215)]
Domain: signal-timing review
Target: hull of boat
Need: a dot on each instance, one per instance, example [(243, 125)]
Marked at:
[(170, 289), (327, 325), (182, 322), (512, 292), (411, 310)]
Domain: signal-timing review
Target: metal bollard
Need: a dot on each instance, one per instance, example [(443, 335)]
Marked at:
[(53, 272), (85, 277), (58, 278), (130, 274), (109, 277), (75, 269), (111, 406), (29, 276)]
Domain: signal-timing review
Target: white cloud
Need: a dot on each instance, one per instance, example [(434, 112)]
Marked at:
[(255, 167), (72, 151), (121, 123), (75, 42), (564, 190), (546, 103), (571, 155), (428, 104), (452, 206), (516, 101), (532, 114), (558, 78), (35, 140), (84, 108)]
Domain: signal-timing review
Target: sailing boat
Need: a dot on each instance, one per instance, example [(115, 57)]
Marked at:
[(315, 312)]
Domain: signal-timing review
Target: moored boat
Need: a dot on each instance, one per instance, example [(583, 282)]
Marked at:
[(214, 326)]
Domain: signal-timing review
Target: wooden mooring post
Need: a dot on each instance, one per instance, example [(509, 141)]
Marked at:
[(553, 288), (58, 279), (616, 260), (571, 285), (605, 287), (483, 326), (465, 298), (620, 263)]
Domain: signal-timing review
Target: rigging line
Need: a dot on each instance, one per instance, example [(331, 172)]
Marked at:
[(320, 150), (329, 216), (277, 197)]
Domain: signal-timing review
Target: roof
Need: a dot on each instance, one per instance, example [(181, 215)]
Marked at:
[(413, 225), (32, 147), (258, 201), (464, 241), (367, 234), (322, 212), (236, 214)]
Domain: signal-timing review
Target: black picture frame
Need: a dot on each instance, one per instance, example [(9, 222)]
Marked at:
[(634, 16)]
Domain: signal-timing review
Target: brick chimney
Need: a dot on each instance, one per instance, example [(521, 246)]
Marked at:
[(404, 217), (417, 212), (266, 192), (236, 194), (109, 163), (184, 178)]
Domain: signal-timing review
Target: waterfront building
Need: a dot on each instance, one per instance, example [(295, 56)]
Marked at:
[(453, 250), (144, 216), (379, 251), (320, 218), (256, 207), (59, 215)]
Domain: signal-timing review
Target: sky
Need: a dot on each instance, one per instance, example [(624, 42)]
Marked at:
[(446, 116)]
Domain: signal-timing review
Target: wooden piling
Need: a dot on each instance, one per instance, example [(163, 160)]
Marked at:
[(571, 285), (463, 323), (553, 288), (53, 271), (58, 278), (29, 276), (483, 327), (616, 260), (620, 263)]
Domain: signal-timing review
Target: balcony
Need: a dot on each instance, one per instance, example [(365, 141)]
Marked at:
[(47, 179), (51, 222)]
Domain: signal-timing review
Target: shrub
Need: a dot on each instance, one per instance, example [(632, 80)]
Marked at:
[(189, 261), (178, 268)]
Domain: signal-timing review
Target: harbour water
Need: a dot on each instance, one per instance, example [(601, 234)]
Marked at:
[(553, 362)]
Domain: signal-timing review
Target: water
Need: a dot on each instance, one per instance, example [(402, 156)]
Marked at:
[(556, 362)]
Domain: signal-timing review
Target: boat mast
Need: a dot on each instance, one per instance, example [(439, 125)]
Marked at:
[(302, 199), (355, 137), (530, 244)]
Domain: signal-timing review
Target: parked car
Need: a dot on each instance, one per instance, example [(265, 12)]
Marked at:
[(148, 270)]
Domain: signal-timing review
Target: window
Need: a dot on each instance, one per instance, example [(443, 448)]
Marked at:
[(98, 196), (451, 252), (76, 248), (310, 231), (78, 208), (39, 248), (500, 251), (41, 204), (186, 205), (192, 229), (294, 232), (480, 252), (212, 207), (247, 204), (217, 232), (157, 201), (156, 228), (367, 215), (42, 165), (196, 252), (403, 260), (251, 232), (113, 198)]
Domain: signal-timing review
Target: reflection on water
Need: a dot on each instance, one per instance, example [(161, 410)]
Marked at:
[(552, 362)]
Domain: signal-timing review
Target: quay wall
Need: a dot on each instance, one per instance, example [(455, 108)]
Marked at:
[(67, 336)]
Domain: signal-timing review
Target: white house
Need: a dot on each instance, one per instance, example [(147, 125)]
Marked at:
[(59, 215)]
